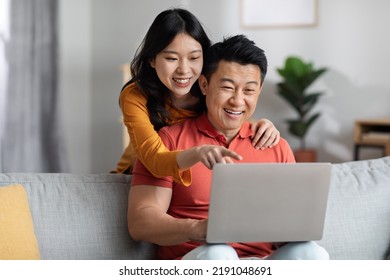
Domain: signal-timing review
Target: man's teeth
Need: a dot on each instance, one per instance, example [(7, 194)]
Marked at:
[(181, 81), (232, 112)]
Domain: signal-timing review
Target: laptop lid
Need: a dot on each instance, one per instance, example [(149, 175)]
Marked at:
[(268, 202)]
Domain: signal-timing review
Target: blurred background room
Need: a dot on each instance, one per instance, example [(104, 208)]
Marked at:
[(61, 64)]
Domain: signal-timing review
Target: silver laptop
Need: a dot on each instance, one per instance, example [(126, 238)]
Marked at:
[(268, 202)]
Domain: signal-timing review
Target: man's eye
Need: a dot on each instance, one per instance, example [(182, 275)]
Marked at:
[(250, 91)]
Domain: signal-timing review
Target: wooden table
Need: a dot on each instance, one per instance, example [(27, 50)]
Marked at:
[(372, 133)]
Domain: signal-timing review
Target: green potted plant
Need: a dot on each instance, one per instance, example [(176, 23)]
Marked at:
[(297, 76)]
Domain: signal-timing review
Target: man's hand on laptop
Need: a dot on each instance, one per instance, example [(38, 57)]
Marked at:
[(209, 155), (279, 244), (198, 230)]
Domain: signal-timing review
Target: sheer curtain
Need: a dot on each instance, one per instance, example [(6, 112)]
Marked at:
[(4, 38), (31, 134)]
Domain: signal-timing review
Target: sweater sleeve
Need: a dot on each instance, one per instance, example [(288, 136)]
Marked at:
[(145, 141)]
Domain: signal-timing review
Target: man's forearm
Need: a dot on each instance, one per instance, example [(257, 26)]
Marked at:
[(164, 229)]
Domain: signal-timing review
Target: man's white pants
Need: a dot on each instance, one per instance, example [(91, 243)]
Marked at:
[(291, 251)]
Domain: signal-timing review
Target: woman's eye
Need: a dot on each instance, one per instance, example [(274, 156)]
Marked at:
[(171, 58), (195, 58)]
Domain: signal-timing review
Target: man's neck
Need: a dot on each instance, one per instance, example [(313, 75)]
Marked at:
[(230, 136), (186, 102)]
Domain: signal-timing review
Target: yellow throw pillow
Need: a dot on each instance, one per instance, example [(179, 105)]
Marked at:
[(17, 237)]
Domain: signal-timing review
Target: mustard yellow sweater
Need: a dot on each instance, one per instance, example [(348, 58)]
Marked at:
[(145, 143)]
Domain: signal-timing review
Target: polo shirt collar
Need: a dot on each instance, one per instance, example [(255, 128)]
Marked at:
[(204, 126)]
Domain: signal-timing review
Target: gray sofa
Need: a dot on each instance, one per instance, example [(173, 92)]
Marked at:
[(84, 216)]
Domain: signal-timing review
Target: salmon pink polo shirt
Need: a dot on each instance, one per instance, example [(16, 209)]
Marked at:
[(193, 201)]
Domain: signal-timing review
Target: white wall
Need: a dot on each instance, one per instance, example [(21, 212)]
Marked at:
[(75, 81), (351, 40)]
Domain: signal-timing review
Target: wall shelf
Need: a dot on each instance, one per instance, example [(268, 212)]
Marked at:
[(372, 133)]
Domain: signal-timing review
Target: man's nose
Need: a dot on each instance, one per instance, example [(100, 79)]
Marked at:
[(237, 98)]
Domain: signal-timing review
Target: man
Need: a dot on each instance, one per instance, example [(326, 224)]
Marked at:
[(175, 217)]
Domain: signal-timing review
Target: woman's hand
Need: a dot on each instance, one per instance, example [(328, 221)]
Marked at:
[(266, 134), (209, 155)]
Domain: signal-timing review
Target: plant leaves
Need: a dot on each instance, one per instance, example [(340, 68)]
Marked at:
[(297, 77)]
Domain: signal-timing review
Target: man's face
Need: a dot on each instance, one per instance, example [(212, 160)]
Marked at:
[(231, 95)]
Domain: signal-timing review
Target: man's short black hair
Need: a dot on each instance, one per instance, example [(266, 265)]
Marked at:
[(237, 49)]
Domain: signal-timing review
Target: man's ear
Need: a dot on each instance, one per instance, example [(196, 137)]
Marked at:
[(261, 87), (203, 84)]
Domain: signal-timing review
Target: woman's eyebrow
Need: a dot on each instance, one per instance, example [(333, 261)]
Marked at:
[(175, 52)]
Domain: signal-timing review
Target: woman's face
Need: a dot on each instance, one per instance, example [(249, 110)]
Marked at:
[(179, 65)]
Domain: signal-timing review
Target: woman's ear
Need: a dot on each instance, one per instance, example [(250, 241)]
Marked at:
[(203, 84), (152, 63)]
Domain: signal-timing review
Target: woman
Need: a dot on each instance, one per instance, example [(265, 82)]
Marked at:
[(164, 90)]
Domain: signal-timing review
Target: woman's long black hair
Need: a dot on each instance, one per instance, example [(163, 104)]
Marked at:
[(161, 33)]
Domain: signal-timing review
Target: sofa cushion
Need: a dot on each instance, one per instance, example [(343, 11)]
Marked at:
[(17, 238), (357, 223), (81, 216)]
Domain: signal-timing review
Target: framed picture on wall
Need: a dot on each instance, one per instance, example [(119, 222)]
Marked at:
[(278, 13)]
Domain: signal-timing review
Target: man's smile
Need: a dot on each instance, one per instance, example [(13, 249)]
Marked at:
[(236, 113)]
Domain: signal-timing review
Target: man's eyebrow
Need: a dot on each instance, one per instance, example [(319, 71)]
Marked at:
[(227, 80), (253, 82), (232, 81)]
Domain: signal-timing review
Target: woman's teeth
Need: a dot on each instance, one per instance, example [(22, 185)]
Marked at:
[(181, 81)]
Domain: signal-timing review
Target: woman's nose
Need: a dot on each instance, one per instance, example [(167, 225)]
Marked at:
[(183, 66)]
